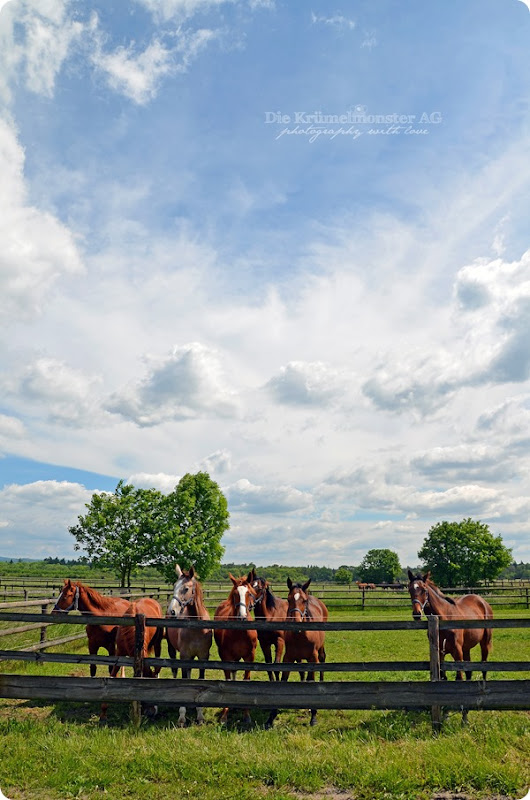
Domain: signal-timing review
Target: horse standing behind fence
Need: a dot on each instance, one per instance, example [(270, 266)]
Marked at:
[(126, 638), (304, 644), (429, 599), (188, 603), (78, 597), (236, 644), (269, 608)]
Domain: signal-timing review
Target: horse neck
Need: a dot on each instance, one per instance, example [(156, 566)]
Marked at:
[(92, 601), (197, 608), (440, 605)]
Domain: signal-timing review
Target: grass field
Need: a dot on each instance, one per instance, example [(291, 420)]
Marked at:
[(57, 750)]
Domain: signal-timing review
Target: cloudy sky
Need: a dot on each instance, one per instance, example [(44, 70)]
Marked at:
[(283, 242)]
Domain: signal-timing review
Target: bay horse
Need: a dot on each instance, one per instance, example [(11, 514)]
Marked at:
[(188, 603), (78, 597), (429, 599), (304, 644), (269, 608), (236, 644), (125, 642)]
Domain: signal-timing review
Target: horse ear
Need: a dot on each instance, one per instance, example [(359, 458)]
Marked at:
[(427, 576), (178, 570), (251, 575), (234, 580), (305, 587), (411, 576), (192, 571), (289, 584)]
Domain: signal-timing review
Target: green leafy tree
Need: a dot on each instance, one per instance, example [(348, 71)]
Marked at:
[(117, 530), (463, 553), (380, 566), (192, 521), (343, 575)]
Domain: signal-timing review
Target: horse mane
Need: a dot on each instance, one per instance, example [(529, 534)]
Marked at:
[(437, 591), (199, 599), (101, 601)]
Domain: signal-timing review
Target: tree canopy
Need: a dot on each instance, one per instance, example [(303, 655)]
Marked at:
[(463, 553), (380, 566), (138, 527)]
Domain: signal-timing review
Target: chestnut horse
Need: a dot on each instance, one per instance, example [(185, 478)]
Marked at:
[(188, 603), (304, 644), (428, 598), (125, 642), (236, 644), (78, 597), (269, 608)]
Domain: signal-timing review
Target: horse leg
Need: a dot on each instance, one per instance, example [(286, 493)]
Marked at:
[(93, 648), (267, 653), (466, 652), (311, 677), (485, 648), (182, 710), (223, 719), (273, 713), (280, 646), (172, 654), (322, 659)]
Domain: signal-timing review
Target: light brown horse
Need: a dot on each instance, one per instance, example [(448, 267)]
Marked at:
[(429, 599), (304, 644), (188, 603), (78, 597), (125, 643), (269, 608), (236, 644)]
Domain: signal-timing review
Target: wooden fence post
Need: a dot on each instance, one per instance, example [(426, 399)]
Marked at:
[(44, 610), (433, 632), (139, 639)]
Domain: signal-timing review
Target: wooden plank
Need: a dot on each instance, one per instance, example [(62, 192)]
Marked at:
[(17, 604), (480, 695), (23, 628)]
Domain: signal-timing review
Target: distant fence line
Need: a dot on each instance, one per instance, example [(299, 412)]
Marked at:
[(502, 694)]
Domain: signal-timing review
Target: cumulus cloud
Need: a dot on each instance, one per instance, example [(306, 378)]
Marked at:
[(218, 462), (11, 427), (246, 496), (66, 394), (161, 481), (36, 248), (186, 384), (302, 383), (56, 504), (463, 463)]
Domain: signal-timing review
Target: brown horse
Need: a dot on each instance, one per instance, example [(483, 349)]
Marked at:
[(236, 644), (188, 603), (304, 644), (78, 597), (269, 608), (428, 598), (125, 643)]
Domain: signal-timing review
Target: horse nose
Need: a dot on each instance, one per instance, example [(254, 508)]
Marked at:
[(416, 615), (172, 612)]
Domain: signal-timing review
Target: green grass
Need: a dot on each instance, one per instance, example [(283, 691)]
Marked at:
[(57, 750)]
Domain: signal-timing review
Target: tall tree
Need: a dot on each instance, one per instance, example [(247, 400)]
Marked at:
[(380, 566), (117, 530), (191, 524), (463, 553)]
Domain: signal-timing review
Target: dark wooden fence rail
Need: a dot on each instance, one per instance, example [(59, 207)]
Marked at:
[(432, 694)]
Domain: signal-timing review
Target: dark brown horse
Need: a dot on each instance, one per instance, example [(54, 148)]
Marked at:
[(304, 644), (188, 603), (269, 608), (236, 644), (78, 597), (429, 599)]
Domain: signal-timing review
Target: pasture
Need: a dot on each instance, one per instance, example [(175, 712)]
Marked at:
[(53, 750)]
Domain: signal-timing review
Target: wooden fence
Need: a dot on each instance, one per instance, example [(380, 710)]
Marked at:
[(434, 693)]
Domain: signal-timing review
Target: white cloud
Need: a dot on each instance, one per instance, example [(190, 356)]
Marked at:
[(164, 483), (180, 9), (246, 496), (56, 505), (306, 384), (11, 427), (338, 21), (186, 384), (37, 250), (136, 75)]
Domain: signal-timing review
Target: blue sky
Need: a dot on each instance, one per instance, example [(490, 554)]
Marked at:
[(330, 318)]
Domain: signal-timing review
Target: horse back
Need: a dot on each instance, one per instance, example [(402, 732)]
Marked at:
[(474, 606)]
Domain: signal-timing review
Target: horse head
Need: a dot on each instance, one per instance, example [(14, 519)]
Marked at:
[(298, 600), (68, 600), (183, 591), (243, 594), (419, 593)]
